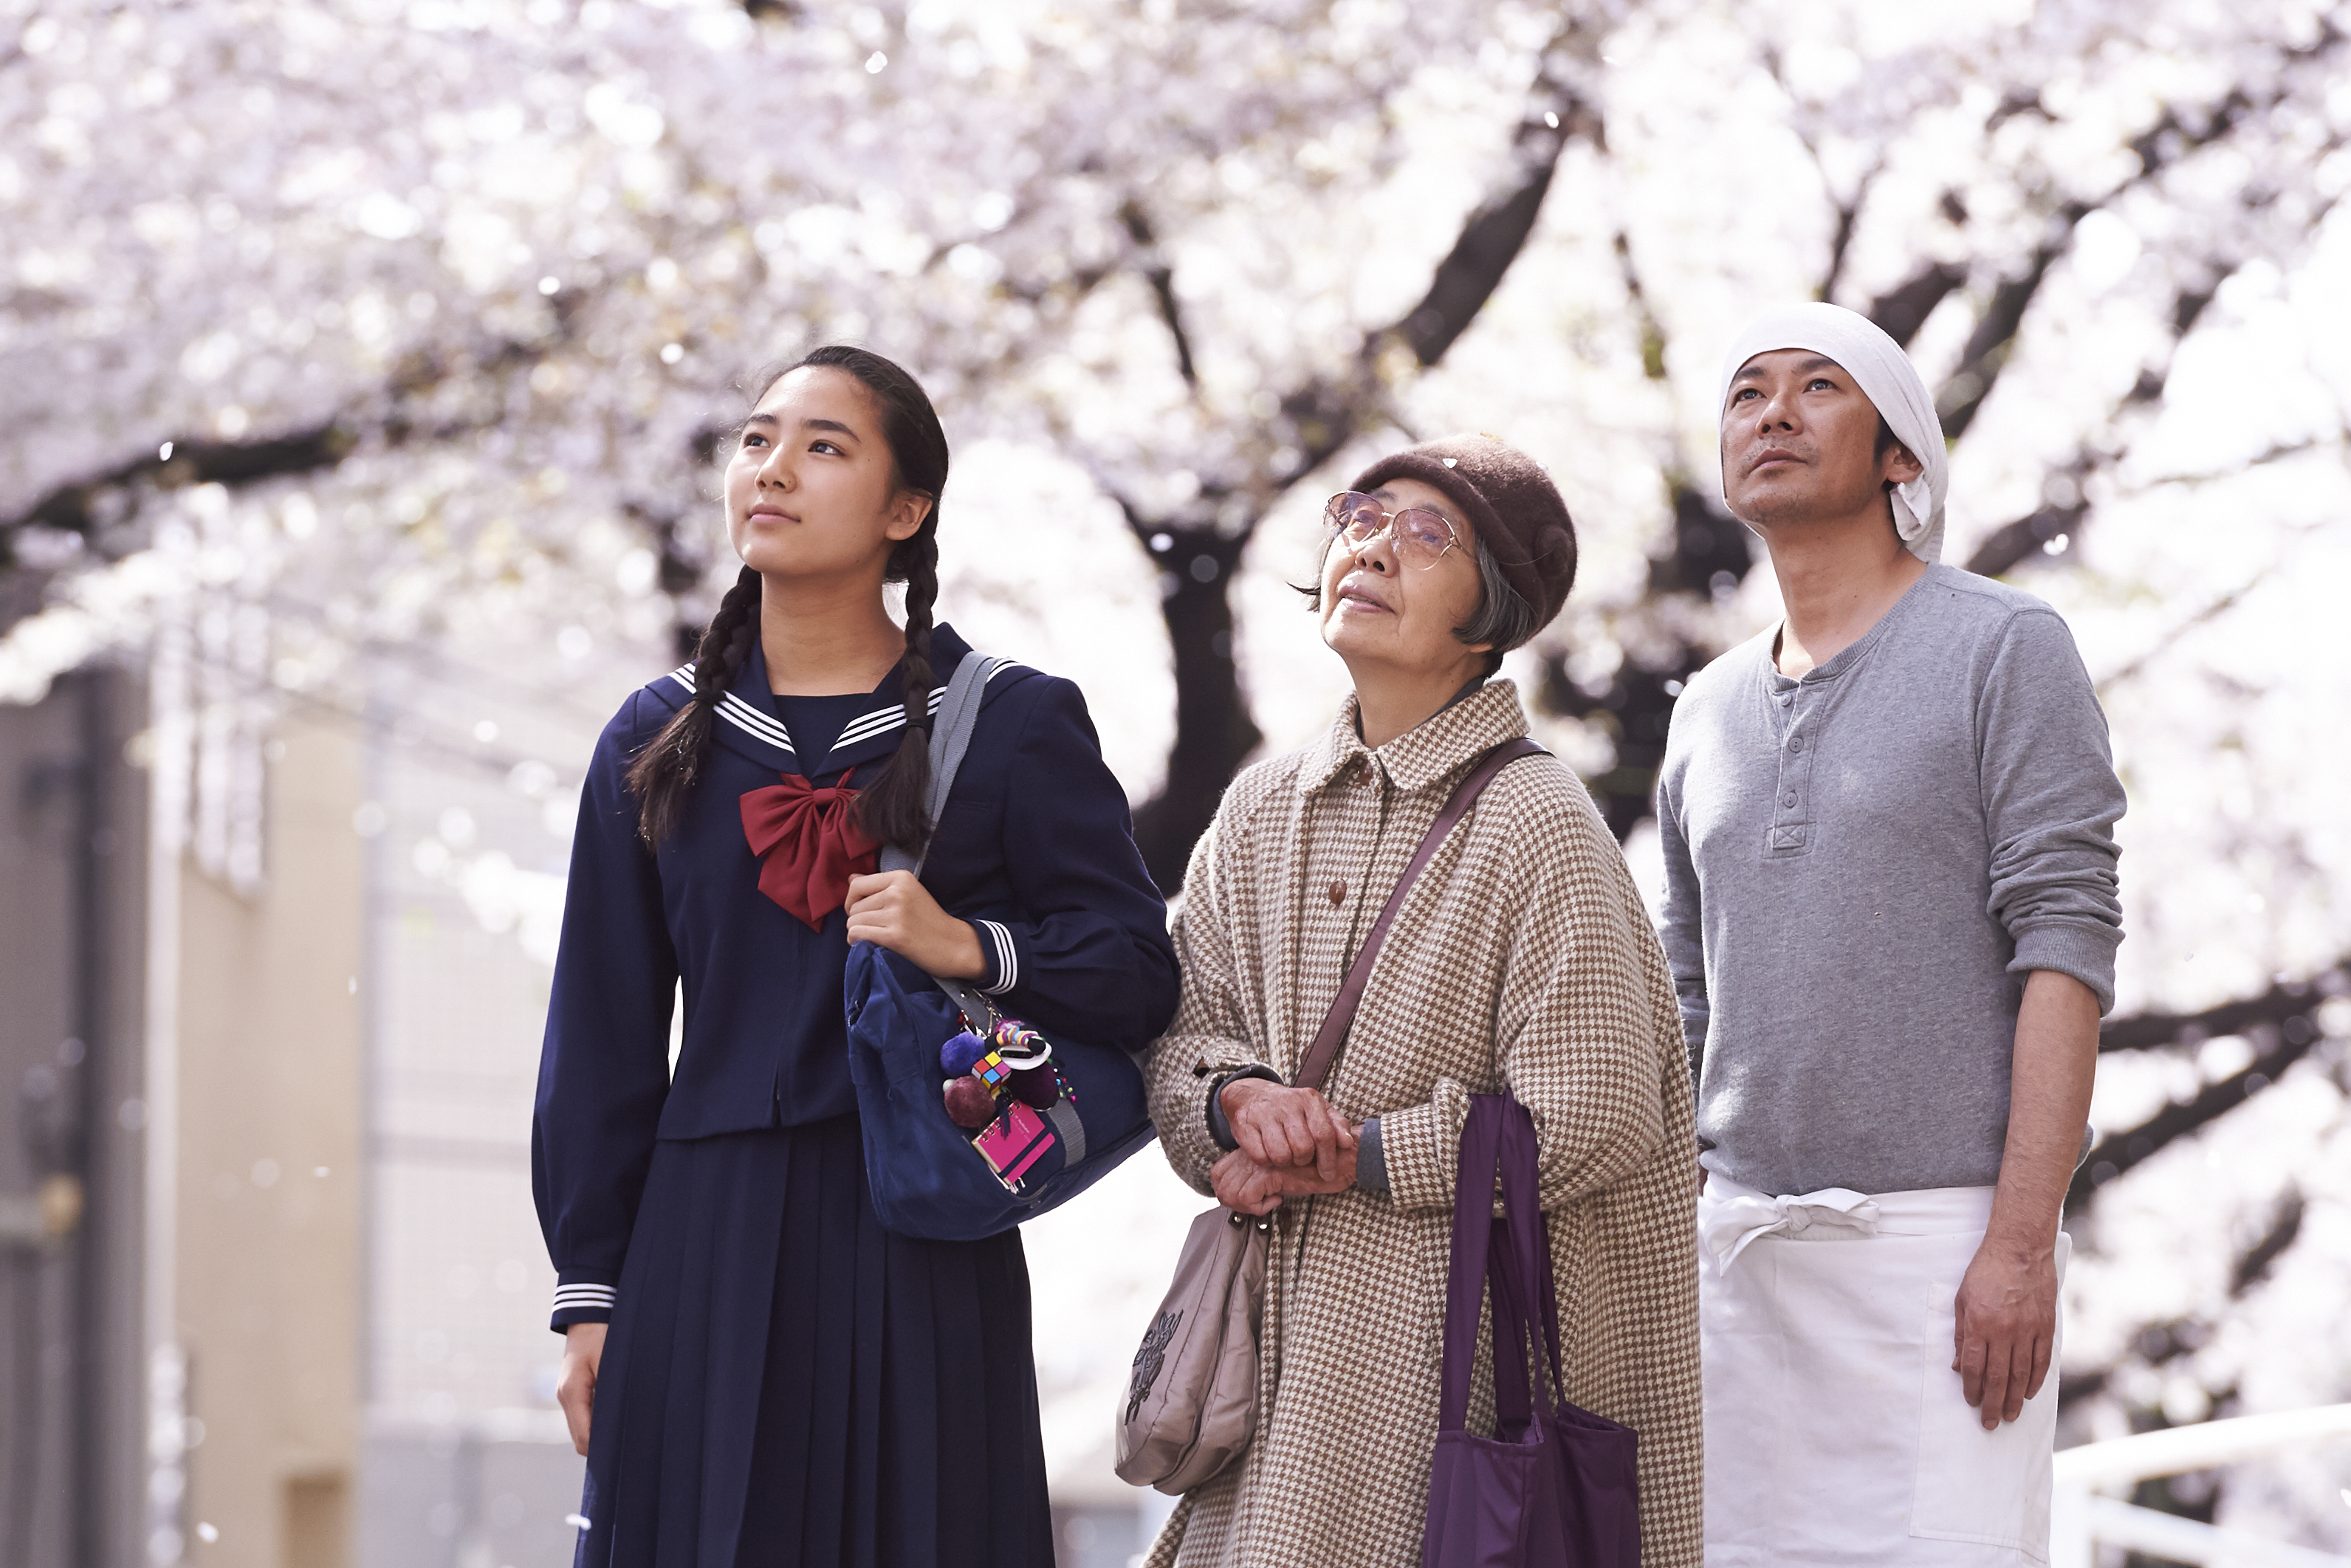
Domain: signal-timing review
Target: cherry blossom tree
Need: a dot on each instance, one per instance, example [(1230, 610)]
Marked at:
[(411, 328)]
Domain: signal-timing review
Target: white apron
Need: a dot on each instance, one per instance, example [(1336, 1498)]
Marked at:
[(1835, 1429)]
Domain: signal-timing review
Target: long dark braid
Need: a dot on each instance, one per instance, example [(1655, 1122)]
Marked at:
[(664, 771), (892, 808)]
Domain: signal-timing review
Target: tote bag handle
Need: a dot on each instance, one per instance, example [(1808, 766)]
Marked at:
[(1514, 1253)]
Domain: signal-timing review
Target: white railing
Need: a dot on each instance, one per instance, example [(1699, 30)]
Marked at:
[(2080, 1516)]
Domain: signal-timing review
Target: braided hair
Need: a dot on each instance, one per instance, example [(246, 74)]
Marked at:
[(892, 808)]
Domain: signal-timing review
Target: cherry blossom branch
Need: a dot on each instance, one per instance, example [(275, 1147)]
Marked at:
[(2283, 1024), (394, 417), (1199, 541)]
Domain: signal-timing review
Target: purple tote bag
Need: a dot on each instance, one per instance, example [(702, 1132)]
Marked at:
[(1554, 1486)]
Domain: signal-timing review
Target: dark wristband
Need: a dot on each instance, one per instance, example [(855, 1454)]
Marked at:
[(1371, 1157)]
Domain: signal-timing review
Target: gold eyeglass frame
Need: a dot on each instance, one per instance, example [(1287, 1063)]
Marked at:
[(1335, 531)]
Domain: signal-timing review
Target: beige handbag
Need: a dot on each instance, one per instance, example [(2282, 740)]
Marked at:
[(1191, 1404)]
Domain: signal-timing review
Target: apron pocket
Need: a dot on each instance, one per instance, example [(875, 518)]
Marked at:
[(1989, 1487)]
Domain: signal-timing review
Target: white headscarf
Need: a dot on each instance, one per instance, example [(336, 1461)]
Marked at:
[(1887, 378)]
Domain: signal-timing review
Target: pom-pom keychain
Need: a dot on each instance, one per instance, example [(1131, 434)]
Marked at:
[(971, 1105), (960, 1054), (982, 1067), (1037, 1087)]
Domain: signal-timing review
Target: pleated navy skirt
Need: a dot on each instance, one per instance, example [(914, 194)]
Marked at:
[(787, 1384)]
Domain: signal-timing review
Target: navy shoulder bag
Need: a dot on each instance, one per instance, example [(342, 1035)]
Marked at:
[(1053, 1116)]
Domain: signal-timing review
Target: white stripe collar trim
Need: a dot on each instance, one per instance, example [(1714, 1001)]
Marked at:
[(881, 721), (764, 727)]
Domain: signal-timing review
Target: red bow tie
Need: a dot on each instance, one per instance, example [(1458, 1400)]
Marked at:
[(809, 843)]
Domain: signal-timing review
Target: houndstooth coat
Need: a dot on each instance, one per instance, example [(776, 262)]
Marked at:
[(1522, 958)]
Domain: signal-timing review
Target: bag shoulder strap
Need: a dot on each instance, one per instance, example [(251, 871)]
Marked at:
[(951, 732), (1341, 1016)]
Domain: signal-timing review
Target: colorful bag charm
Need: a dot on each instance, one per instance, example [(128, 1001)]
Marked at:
[(1013, 1143), (1000, 1077), (1019, 1044)]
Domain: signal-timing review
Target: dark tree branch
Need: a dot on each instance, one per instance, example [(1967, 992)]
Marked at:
[(1557, 113), (2012, 544), (1994, 337), (2116, 1153), (1848, 218), (79, 506), (2286, 1224), (1162, 278), (84, 507), (2159, 1343), (1710, 552), (1653, 334), (2170, 139), (1901, 310), (1847, 208), (2282, 1006)]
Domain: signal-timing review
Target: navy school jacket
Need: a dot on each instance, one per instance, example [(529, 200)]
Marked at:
[(1035, 847)]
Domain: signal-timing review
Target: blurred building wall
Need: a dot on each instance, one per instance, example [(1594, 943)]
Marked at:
[(267, 1290), (465, 1461), (72, 879)]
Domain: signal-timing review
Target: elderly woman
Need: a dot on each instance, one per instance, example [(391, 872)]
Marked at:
[(1523, 960)]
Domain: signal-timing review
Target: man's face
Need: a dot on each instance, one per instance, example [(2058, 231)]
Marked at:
[(1800, 444)]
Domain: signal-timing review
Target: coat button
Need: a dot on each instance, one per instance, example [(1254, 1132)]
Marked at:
[(1796, 744), (1338, 894), (1789, 799)]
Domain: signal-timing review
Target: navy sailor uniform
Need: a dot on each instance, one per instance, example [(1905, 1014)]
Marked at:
[(784, 1381)]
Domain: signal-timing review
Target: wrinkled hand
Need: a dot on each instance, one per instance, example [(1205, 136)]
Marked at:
[(1280, 1128), (575, 1382), (2005, 1327), (1245, 1186), (893, 909)]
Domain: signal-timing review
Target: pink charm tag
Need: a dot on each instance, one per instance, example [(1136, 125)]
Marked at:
[(1014, 1142)]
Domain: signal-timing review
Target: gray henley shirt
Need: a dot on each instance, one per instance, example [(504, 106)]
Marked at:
[(1861, 868)]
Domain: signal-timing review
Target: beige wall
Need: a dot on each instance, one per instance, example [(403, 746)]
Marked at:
[(267, 1294)]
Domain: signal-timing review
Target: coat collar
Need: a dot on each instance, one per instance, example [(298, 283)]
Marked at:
[(1437, 746), (748, 725)]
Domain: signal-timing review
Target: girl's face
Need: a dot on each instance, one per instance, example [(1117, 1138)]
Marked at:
[(1382, 613), (813, 490)]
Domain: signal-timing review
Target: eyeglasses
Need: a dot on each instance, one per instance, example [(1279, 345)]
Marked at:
[(1422, 537)]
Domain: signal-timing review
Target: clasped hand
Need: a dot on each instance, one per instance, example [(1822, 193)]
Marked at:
[(893, 909), (1291, 1144)]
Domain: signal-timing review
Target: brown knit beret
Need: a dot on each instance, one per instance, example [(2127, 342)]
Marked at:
[(1509, 499)]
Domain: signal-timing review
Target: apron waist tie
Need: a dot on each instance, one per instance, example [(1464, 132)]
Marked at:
[(1729, 1224)]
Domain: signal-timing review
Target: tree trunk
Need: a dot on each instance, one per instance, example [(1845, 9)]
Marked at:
[(1214, 732)]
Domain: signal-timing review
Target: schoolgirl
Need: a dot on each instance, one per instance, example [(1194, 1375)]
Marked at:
[(757, 1371)]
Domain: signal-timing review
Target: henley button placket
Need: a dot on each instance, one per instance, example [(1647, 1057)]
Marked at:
[(1790, 834)]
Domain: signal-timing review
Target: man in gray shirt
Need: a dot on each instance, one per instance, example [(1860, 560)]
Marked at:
[(1891, 913)]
